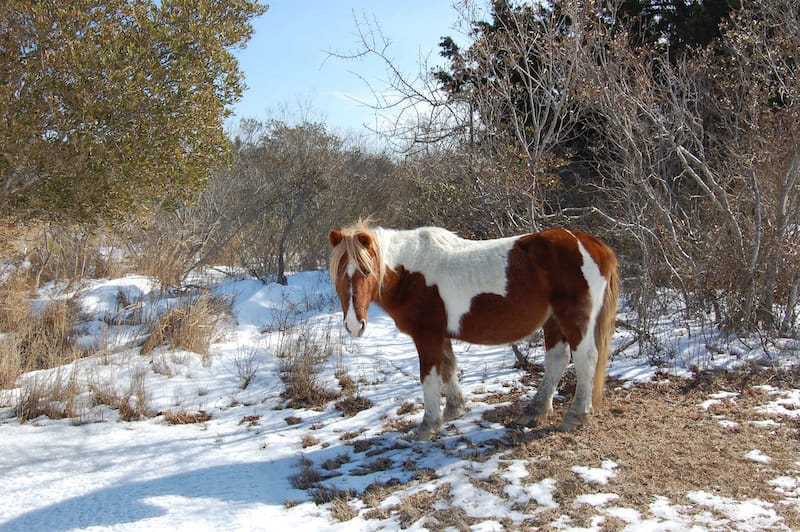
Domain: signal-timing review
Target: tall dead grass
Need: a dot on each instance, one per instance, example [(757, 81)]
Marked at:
[(191, 325), (53, 396), (34, 339), (303, 350)]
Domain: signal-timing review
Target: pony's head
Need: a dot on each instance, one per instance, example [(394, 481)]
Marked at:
[(356, 272)]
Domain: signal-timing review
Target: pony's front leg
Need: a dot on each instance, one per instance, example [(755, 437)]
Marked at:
[(431, 396), (430, 359)]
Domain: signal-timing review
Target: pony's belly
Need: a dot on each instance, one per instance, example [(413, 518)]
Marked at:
[(494, 319)]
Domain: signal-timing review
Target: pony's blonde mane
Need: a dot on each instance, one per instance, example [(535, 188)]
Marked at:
[(356, 253)]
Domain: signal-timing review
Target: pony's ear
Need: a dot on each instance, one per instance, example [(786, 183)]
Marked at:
[(334, 237), (365, 240)]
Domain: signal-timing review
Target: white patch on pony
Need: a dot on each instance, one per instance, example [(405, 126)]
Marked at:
[(352, 323), (431, 396), (585, 355), (595, 280), (461, 269)]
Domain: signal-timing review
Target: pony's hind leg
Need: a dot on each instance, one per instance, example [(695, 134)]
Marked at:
[(585, 359), (454, 405), (556, 359)]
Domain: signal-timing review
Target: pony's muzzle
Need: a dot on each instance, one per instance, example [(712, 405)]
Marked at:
[(356, 331)]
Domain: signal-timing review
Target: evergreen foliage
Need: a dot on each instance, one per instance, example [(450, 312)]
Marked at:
[(110, 106)]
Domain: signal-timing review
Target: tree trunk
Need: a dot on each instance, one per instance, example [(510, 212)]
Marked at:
[(287, 231)]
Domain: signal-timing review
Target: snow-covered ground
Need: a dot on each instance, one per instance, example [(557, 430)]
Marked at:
[(242, 468)]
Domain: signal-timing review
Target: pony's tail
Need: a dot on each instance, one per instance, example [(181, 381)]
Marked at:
[(604, 331)]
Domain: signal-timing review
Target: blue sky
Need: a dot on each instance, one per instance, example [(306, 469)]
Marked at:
[(287, 65)]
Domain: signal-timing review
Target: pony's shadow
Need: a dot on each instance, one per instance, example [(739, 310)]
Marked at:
[(264, 482)]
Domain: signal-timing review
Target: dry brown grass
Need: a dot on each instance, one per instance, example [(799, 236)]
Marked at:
[(308, 477), (309, 440), (33, 340), (302, 351), (408, 407), (185, 417), (164, 248), (53, 396), (335, 463), (346, 383), (421, 506), (665, 445), (133, 405), (350, 406), (379, 464), (398, 424), (10, 362), (341, 510), (191, 325), (352, 434)]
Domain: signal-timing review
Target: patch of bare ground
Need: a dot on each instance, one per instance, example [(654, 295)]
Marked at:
[(659, 443), (666, 445)]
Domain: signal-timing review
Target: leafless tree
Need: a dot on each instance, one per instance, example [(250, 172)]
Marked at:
[(702, 168)]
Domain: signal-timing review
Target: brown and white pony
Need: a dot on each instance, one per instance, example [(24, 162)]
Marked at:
[(437, 286)]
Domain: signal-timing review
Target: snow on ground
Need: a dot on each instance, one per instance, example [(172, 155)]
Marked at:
[(240, 469)]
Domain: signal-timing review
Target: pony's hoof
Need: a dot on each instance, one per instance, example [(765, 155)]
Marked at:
[(533, 416), (424, 434), (572, 422), (452, 412), (524, 420)]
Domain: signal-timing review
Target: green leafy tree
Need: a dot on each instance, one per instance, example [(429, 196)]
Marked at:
[(107, 107)]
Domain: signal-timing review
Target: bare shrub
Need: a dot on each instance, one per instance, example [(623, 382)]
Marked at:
[(166, 247), (73, 252), (246, 367), (302, 351), (190, 325), (284, 317), (308, 477)]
